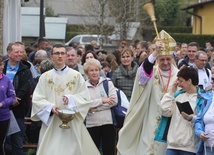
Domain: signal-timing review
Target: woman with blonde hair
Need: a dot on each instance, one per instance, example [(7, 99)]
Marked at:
[(124, 77)]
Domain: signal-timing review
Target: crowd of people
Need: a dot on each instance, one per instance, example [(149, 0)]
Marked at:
[(39, 80)]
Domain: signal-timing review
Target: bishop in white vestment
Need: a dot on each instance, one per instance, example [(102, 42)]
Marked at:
[(143, 116)]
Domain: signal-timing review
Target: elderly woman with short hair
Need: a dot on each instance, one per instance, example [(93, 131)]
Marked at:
[(99, 120)]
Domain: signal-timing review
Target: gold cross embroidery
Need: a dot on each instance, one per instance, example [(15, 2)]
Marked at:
[(59, 90)]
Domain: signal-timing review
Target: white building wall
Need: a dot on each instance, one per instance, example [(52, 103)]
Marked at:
[(30, 18), (11, 25), (55, 27)]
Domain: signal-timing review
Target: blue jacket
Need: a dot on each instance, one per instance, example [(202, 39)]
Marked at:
[(199, 124)]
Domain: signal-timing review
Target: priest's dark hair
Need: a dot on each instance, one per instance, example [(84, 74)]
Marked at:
[(57, 46)]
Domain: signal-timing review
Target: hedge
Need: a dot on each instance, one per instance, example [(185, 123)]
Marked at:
[(176, 29), (170, 29), (187, 38)]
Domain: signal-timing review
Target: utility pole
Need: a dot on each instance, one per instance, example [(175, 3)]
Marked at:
[(42, 20)]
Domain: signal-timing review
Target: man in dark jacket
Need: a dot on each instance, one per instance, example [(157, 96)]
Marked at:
[(189, 60), (142, 48), (19, 73), (43, 44)]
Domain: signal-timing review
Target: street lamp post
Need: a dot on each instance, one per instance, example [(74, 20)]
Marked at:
[(41, 22)]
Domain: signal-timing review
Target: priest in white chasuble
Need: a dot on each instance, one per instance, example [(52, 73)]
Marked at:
[(154, 78), (57, 89)]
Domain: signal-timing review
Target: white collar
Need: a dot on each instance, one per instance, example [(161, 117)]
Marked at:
[(62, 70)]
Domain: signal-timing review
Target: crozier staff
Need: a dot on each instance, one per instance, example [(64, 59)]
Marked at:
[(151, 83)]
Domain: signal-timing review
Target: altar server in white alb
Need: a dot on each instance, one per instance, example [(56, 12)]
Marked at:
[(154, 78), (62, 88)]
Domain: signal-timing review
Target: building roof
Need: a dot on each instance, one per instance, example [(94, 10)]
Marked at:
[(197, 5)]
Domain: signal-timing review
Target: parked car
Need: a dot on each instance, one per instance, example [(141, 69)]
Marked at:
[(84, 39), (87, 38)]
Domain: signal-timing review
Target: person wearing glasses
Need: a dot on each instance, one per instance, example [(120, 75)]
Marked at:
[(189, 60), (204, 73), (62, 88)]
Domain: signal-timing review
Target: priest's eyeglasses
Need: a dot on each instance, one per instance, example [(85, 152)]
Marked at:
[(203, 60), (59, 53)]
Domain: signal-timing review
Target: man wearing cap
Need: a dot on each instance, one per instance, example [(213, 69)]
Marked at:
[(151, 83)]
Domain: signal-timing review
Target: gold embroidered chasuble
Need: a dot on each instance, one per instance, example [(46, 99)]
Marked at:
[(54, 140), (143, 116)]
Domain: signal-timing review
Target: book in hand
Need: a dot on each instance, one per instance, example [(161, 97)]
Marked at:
[(184, 107)]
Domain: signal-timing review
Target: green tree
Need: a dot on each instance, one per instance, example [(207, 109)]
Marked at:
[(166, 12), (169, 13), (49, 12)]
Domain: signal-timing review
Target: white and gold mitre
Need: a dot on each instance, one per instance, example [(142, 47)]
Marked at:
[(169, 43)]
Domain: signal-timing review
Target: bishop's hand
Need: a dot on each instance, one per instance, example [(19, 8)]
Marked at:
[(158, 47)]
